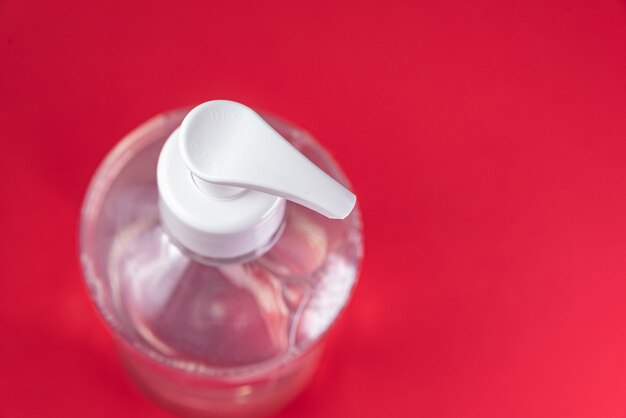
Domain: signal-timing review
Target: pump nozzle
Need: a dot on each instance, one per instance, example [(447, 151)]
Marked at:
[(226, 143)]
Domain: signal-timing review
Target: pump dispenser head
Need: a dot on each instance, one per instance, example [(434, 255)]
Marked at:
[(223, 177)]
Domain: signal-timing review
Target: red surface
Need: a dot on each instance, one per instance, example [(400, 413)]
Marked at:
[(486, 141)]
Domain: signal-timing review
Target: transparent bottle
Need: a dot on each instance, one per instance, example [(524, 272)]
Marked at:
[(202, 337)]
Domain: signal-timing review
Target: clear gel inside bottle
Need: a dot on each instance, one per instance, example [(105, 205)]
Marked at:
[(206, 338)]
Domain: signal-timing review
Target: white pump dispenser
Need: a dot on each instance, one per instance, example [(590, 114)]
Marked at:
[(223, 178)]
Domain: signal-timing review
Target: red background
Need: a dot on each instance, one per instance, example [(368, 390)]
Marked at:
[(486, 141)]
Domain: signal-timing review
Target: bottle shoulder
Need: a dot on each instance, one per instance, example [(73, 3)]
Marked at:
[(257, 310)]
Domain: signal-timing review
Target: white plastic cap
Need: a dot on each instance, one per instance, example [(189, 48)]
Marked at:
[(223, 177)]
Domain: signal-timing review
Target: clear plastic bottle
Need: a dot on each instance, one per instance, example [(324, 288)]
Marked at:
[(233, 339)]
